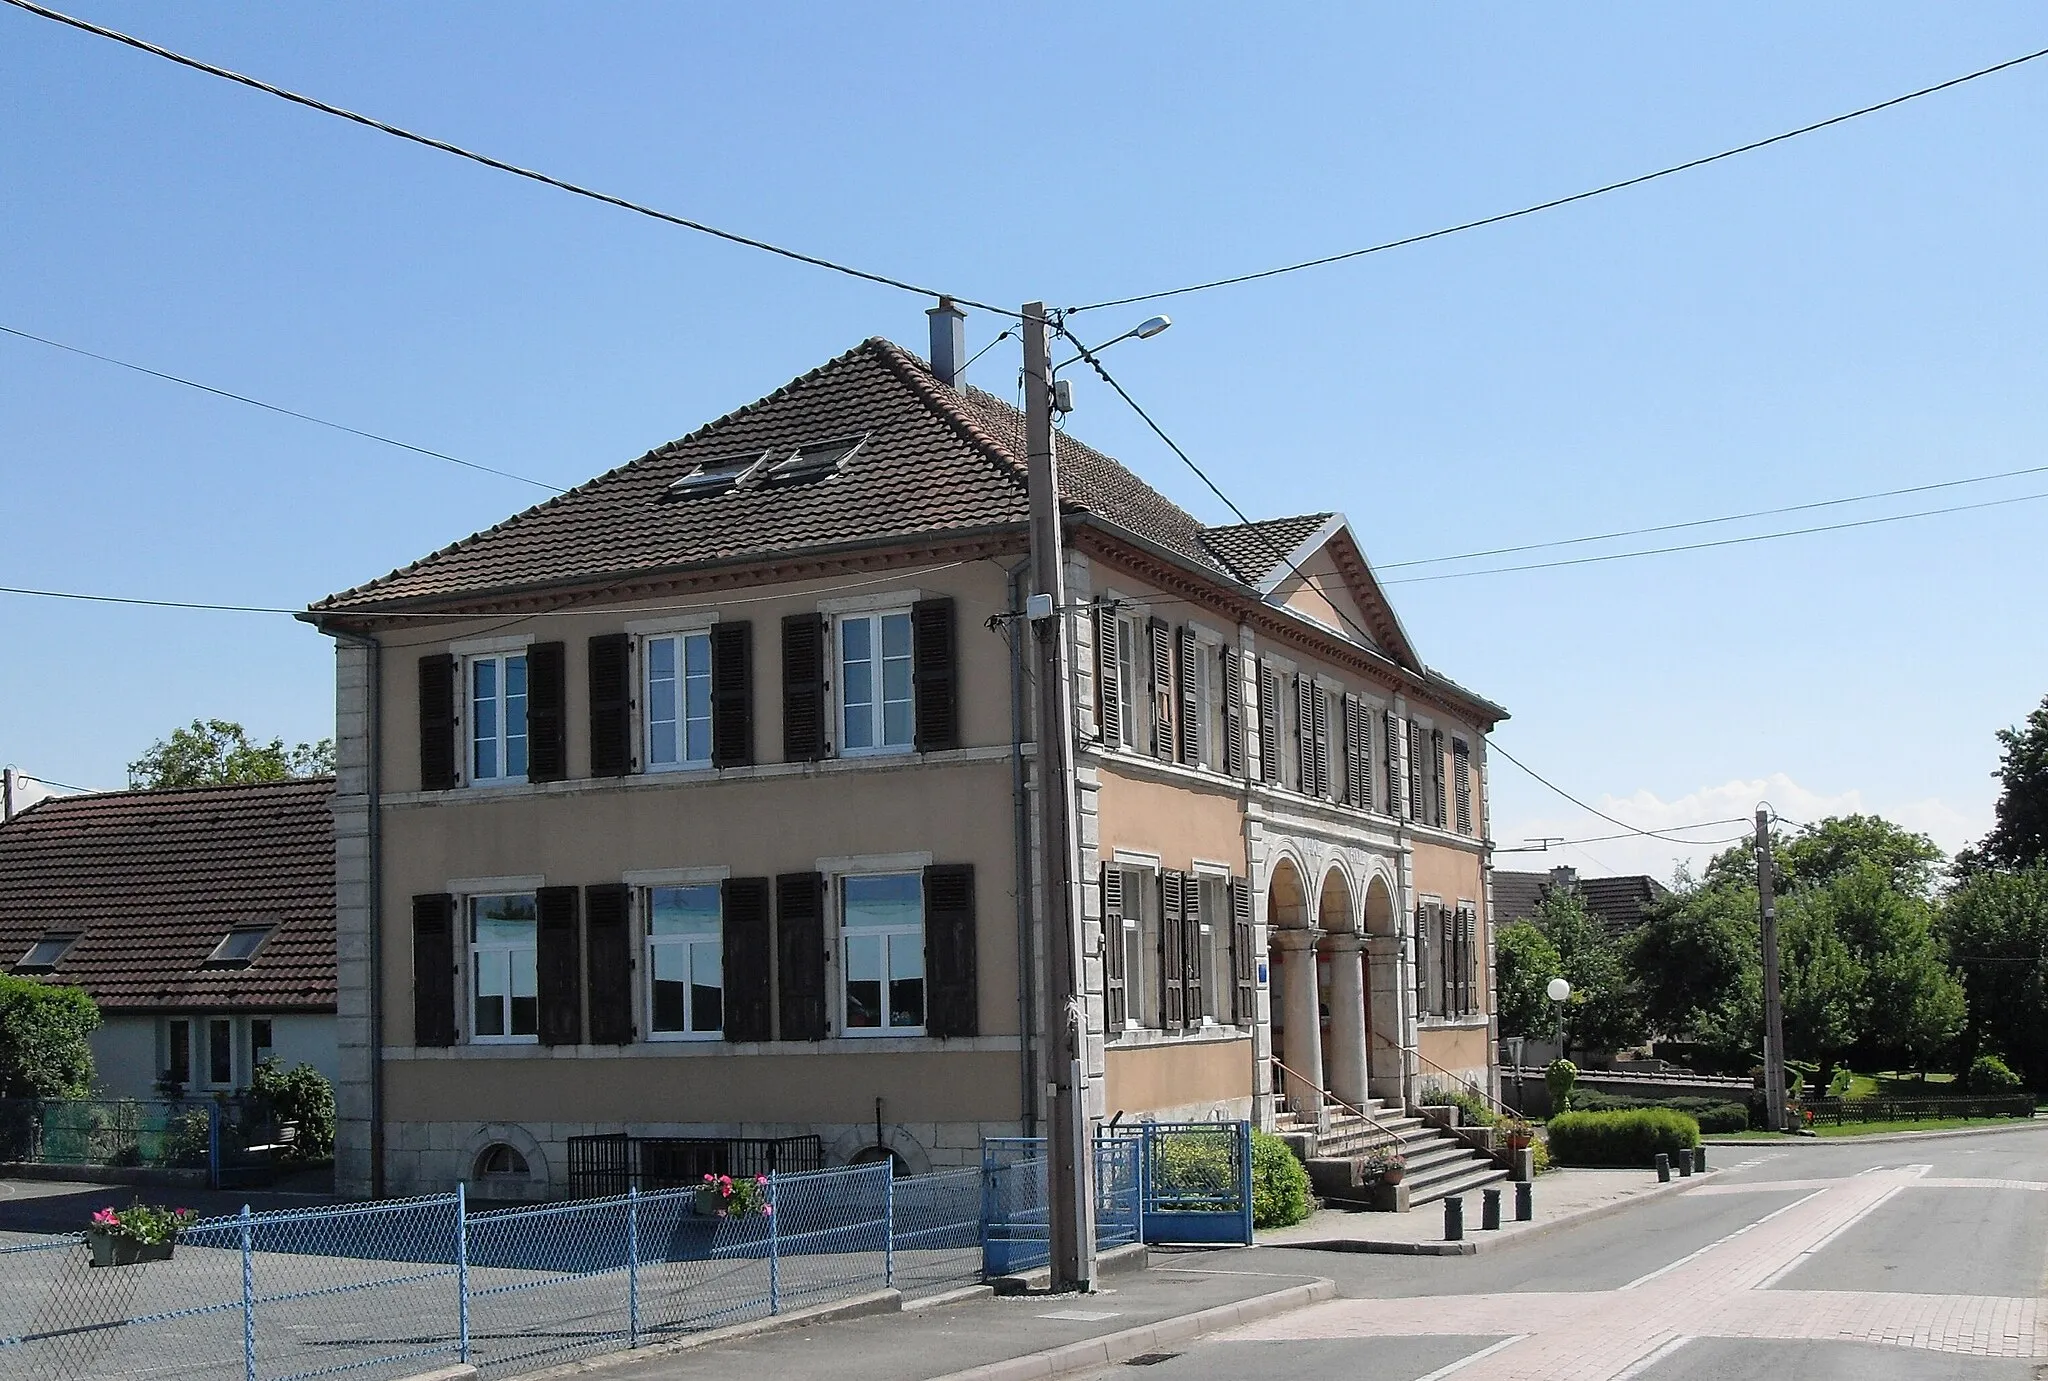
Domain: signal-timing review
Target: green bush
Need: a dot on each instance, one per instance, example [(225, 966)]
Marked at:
[(1629, 1137), (1559, 1079), (1194, 1167), (1473, 1109), (300, 1094), (1280, 1190), (1715, 1115), (1990, 1075)]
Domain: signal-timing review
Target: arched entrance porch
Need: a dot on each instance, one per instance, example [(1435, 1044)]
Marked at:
[(1385, 1063)]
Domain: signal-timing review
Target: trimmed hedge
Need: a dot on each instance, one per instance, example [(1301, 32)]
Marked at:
[(1280, 1188), (1715, 1115), (1630, 1137)]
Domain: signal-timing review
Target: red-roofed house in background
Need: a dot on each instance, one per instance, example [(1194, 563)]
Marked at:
[(696, 802), (201, 921)]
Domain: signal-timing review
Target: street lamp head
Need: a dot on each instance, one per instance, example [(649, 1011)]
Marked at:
[(1559, 990), (1152, 326)]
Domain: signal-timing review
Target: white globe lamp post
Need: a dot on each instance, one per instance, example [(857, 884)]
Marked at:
[(1559, 992)]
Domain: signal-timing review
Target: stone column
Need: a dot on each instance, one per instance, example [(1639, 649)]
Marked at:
[(1347, 1074), (1385, 1056), (1302, 1043)]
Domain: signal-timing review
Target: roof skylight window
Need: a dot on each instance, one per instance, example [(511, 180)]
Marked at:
[(43, 955), (239, 947), (814, 461), (720, 472)]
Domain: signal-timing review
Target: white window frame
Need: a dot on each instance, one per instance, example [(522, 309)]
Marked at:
[(474, 954), (683, 639), (649, 942), (878, 704), (502, 659), (1218, 982), (204, 1056), (889, 935), (1141, 938), (1130, 704)]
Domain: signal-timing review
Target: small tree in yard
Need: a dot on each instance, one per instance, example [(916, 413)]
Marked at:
[(44, 1047), (302, 1095), (1525, 961)]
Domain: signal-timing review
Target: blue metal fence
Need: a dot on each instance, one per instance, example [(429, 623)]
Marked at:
[(390, 1289), (1182, 1182)]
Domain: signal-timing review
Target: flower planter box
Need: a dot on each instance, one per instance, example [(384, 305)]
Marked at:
[(113, 1249)]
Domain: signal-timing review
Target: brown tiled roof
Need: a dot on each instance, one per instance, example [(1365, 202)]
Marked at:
[(154, 880), (1254, 551), (936, 460), (1617, 902)]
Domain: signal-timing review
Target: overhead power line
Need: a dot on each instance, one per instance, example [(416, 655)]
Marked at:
[(1548, 844), (1633, 831), (1722, 542), (1709, 522), (427, 141), (284, 411), (61, 786), (1556, 202)]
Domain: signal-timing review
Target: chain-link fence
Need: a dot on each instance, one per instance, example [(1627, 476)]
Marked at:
[(1016, 1211), (391, 1289), (223, 1137)]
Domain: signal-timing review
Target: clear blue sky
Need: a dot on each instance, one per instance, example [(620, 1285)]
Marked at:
[(1857, 310)]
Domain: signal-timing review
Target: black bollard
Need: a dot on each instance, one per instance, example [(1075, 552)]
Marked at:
[(1699, 1158), (1663, 1168), (1685, 1162), (1454, 1219), (1525, 1201), (1489, 1210)]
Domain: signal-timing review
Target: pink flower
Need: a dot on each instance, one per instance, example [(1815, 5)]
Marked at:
[(767, 1210), (760, 1179), (105, 1217)]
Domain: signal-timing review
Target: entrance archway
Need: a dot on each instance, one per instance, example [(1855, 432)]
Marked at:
[(1384, 1059), (1297, 1022), (1341, 967)]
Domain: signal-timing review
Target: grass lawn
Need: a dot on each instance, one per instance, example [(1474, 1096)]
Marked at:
[(1925, 1124)]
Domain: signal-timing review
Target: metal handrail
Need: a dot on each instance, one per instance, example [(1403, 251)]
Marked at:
[(1499, 1107), (1382, 1128)]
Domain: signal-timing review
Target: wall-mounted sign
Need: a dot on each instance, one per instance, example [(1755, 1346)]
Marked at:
[(1262, 973)]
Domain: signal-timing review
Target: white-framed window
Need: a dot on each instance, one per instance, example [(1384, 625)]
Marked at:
[(1205, 705), (1217, 993), (881, 953), (504, 992), (1131, 665), (685, 962), (875, 710), (497, 718), (677, 700)]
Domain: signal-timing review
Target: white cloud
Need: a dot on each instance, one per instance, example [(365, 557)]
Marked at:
[(1734, 801)]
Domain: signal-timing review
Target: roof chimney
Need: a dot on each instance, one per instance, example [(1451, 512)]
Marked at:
[(949, 341), (1564, 876)]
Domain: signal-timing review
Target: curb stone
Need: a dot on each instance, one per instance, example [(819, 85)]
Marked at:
[(1112, 1348), (860, 1306), (1487, 1241)]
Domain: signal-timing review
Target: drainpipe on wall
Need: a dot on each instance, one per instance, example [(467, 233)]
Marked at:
[(373, 845), (1027, 993)]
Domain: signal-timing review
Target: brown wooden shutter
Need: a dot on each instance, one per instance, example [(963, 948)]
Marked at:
[(1423, 915), (1415, 751), (611, 705), (1269, 723), (608, 945), (1231, 692), (1191, 949), (803, 688), (1243, 958), (1304, 736), (1437, 814), (1162, 688), (558, 966), (1319, 700), (437, 722), (1189, 699), (1109, 705), (1115, 985), (732, 693), (1172, 990), (1394, 777), (952, 996), (1461, 754), (748, 952), (547, 726), (935, 675), (800, 955), (433, 969)]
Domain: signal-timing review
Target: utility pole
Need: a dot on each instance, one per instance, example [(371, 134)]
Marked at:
[(1071, 1164), (1774, 1010), (8, 788)]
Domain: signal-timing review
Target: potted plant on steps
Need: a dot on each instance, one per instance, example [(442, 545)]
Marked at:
[(141, 1232), (1393, 1169)]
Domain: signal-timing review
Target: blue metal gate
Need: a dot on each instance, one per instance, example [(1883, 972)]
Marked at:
[(1181, 1182)]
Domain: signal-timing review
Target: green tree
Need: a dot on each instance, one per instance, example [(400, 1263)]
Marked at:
[(2019, 830), (1821, 982), (1912, 1004), (1525, 961), (1697, 960), (1605, 1011), (217, 752), (1844, 842), (1996, 926), (44, 1047)]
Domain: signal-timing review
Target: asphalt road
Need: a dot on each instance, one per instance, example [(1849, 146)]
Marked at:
[(1915, 1259)]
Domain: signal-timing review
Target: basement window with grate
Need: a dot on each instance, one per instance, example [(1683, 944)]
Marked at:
[(43, 955)]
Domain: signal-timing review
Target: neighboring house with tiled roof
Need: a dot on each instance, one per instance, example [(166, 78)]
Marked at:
[(201, 922), (725, 755), (1621, 903)]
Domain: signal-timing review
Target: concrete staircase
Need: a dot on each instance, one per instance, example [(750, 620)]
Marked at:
[(1439, 1165)]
